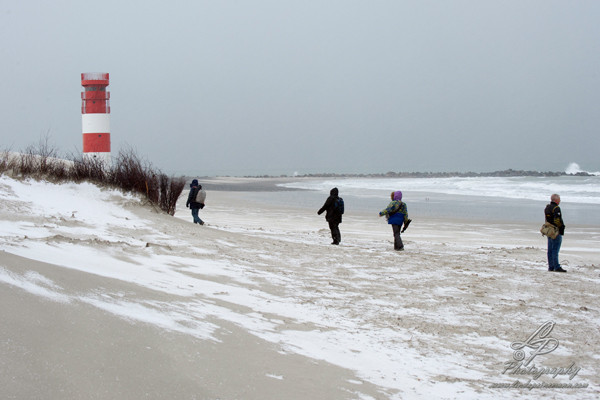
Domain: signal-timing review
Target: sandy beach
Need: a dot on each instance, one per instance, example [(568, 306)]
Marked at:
[(104, 297)]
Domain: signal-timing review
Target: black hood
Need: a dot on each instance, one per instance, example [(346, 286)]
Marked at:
[(334, 192)]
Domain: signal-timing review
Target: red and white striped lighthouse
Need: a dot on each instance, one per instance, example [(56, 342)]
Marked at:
[(95, 116)]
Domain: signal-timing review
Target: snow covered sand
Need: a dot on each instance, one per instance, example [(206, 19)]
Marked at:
[(103, 297)]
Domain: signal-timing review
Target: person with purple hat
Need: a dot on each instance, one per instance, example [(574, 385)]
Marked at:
[(396, 214)]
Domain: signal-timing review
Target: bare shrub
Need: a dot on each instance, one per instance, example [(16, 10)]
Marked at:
[(46, 155), (40, 161), (27, 163), (175, 188), (58, 170), (153, 188), (88, 169), (170, 190), (7, 161), (130, 173), (127, 172)]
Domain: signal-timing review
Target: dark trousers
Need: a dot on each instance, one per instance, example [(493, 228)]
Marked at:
[(334, 227), (398, 245), (197, 219), (553, 249)]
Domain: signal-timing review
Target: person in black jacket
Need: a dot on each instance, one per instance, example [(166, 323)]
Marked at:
[(332, 215), (195, 200), (554, 216)]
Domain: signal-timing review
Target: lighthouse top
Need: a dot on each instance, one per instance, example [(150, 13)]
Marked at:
[(94, 79)]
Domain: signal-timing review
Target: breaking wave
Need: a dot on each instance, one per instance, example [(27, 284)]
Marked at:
[(575, 189), (574, 168)]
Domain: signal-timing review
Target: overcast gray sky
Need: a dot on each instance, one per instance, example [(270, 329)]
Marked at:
[(277, 87)]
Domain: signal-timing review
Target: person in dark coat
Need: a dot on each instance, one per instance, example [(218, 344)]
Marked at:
[(554, 216), (196, 200), (332, 215)]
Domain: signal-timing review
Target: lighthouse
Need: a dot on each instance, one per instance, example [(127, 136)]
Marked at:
[(95, 116)]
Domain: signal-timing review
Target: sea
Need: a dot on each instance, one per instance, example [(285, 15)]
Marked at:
[(495, 199)]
